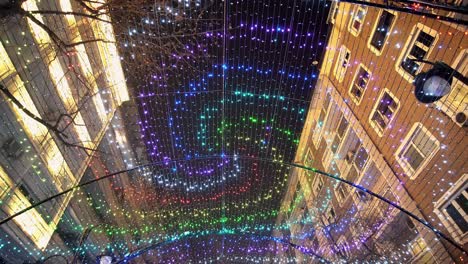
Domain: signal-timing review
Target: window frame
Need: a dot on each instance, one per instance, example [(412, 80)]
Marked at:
[(417, 247), (336, 134), (339, 71), (346, 193), (410, 172), (444, 104), (334, 10), (318, 184), (369, 42), (319, 127), (308, 157), (409, 45), (377, 128), (327, 216), (327, 156), (352, 162), (352, 96), (351, 29), (452, 193)]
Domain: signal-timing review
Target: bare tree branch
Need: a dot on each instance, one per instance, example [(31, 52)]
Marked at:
[(56, 12), (53, 128)]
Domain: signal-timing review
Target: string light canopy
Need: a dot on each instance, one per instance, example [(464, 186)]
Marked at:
[(197, 166)]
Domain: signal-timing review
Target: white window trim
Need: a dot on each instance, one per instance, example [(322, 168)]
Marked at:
[(369, 45), (442, 104), (366, 170), (353, 97), (373, 124), (307, 156), (347, 192), (407, 48), (335, 6), (327, 157), (404, 165), (415, 243), (318, 180), (319, 129), (443, 201), (335, 133), (366, 164), (327, 214), (338, 71), (353, 18)]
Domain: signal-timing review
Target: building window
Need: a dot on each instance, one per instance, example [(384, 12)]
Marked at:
[(297, 197), (5, 184), (359, 85), (329, 215), (318, 183), (6, 66), (343, 247), (455, 104), (321, 119), (384, 111), (418, 46), (342, 63), (361, 196), (417, 246), (309, 158), (452, 209), (382, 29), (333, 12), (417, 149), (340, 133), (357, 157), (341, 192), (357, 19)]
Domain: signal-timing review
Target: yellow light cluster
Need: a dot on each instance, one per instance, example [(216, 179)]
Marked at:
[(35, 131), (57, 74), (31, 222), (65, 6), (109, 55)]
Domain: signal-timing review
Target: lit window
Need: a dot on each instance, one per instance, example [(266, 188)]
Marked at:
[(357, 19), (455, 104), (333, 12), (382, 29), (4, 186), (342, 63), (452, 209), (384, 111), (418, 147), (6, 67), (359, 85), (417, 246), (31, 221), (418, 46)]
